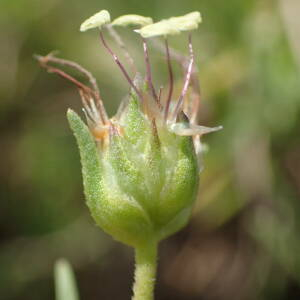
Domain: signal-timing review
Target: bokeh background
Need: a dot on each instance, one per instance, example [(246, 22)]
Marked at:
[(243, 241)]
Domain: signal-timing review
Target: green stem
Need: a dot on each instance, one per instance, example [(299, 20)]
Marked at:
[(145, 272)]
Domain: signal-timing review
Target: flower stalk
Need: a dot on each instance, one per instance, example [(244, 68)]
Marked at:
[(145, 271)]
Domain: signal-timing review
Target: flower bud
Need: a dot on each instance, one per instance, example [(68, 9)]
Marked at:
[(141, 184), (141, 167)]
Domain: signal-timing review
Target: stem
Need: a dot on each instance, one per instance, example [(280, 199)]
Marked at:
[(145, 272)]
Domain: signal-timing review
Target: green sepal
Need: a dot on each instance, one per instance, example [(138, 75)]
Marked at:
[(181, 188), (116, 212), (127, 156), (91, 169), (144, 184), (121, 216), (153, 171), (125, 170), (132, 154), (175, 224), (135, 125)]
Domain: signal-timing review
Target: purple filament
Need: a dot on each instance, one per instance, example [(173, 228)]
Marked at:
[(187, 80), (120, 66), (171, 80)]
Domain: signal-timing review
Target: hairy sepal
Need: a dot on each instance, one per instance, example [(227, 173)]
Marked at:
[(115, 211)]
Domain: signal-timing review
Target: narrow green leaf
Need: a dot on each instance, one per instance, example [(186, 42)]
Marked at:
[(65, 283)]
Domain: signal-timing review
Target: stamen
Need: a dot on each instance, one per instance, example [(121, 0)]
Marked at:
[(90, 121), (196, 97), (171, 81), (148, 69), (174, 54), (66, 76), (43, 60), (122, 108), (120, 66), (86, 103), (194, 82), (94, 108), (187, 81), (159, 93), (75, 66), (121, 44), (102, 111), (112, 131), (155, 132)]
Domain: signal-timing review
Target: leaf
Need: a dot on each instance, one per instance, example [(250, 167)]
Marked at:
[(65, 283)]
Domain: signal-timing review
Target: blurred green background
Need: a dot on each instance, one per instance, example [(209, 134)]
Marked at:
[(243, 241)]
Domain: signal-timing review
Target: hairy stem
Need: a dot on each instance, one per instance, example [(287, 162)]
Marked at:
[(145, 272)]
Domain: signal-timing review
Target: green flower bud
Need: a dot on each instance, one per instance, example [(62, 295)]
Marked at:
[(141, 167), (141, 183)]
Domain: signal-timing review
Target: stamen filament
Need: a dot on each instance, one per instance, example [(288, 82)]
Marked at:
[(148, 69), (75, 66), (159, 93), (186, 82), (116, 59), (87, 106), (196, 97), (171, 80), (194, 82), (43, 60), (121, 44), (69, 77)]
